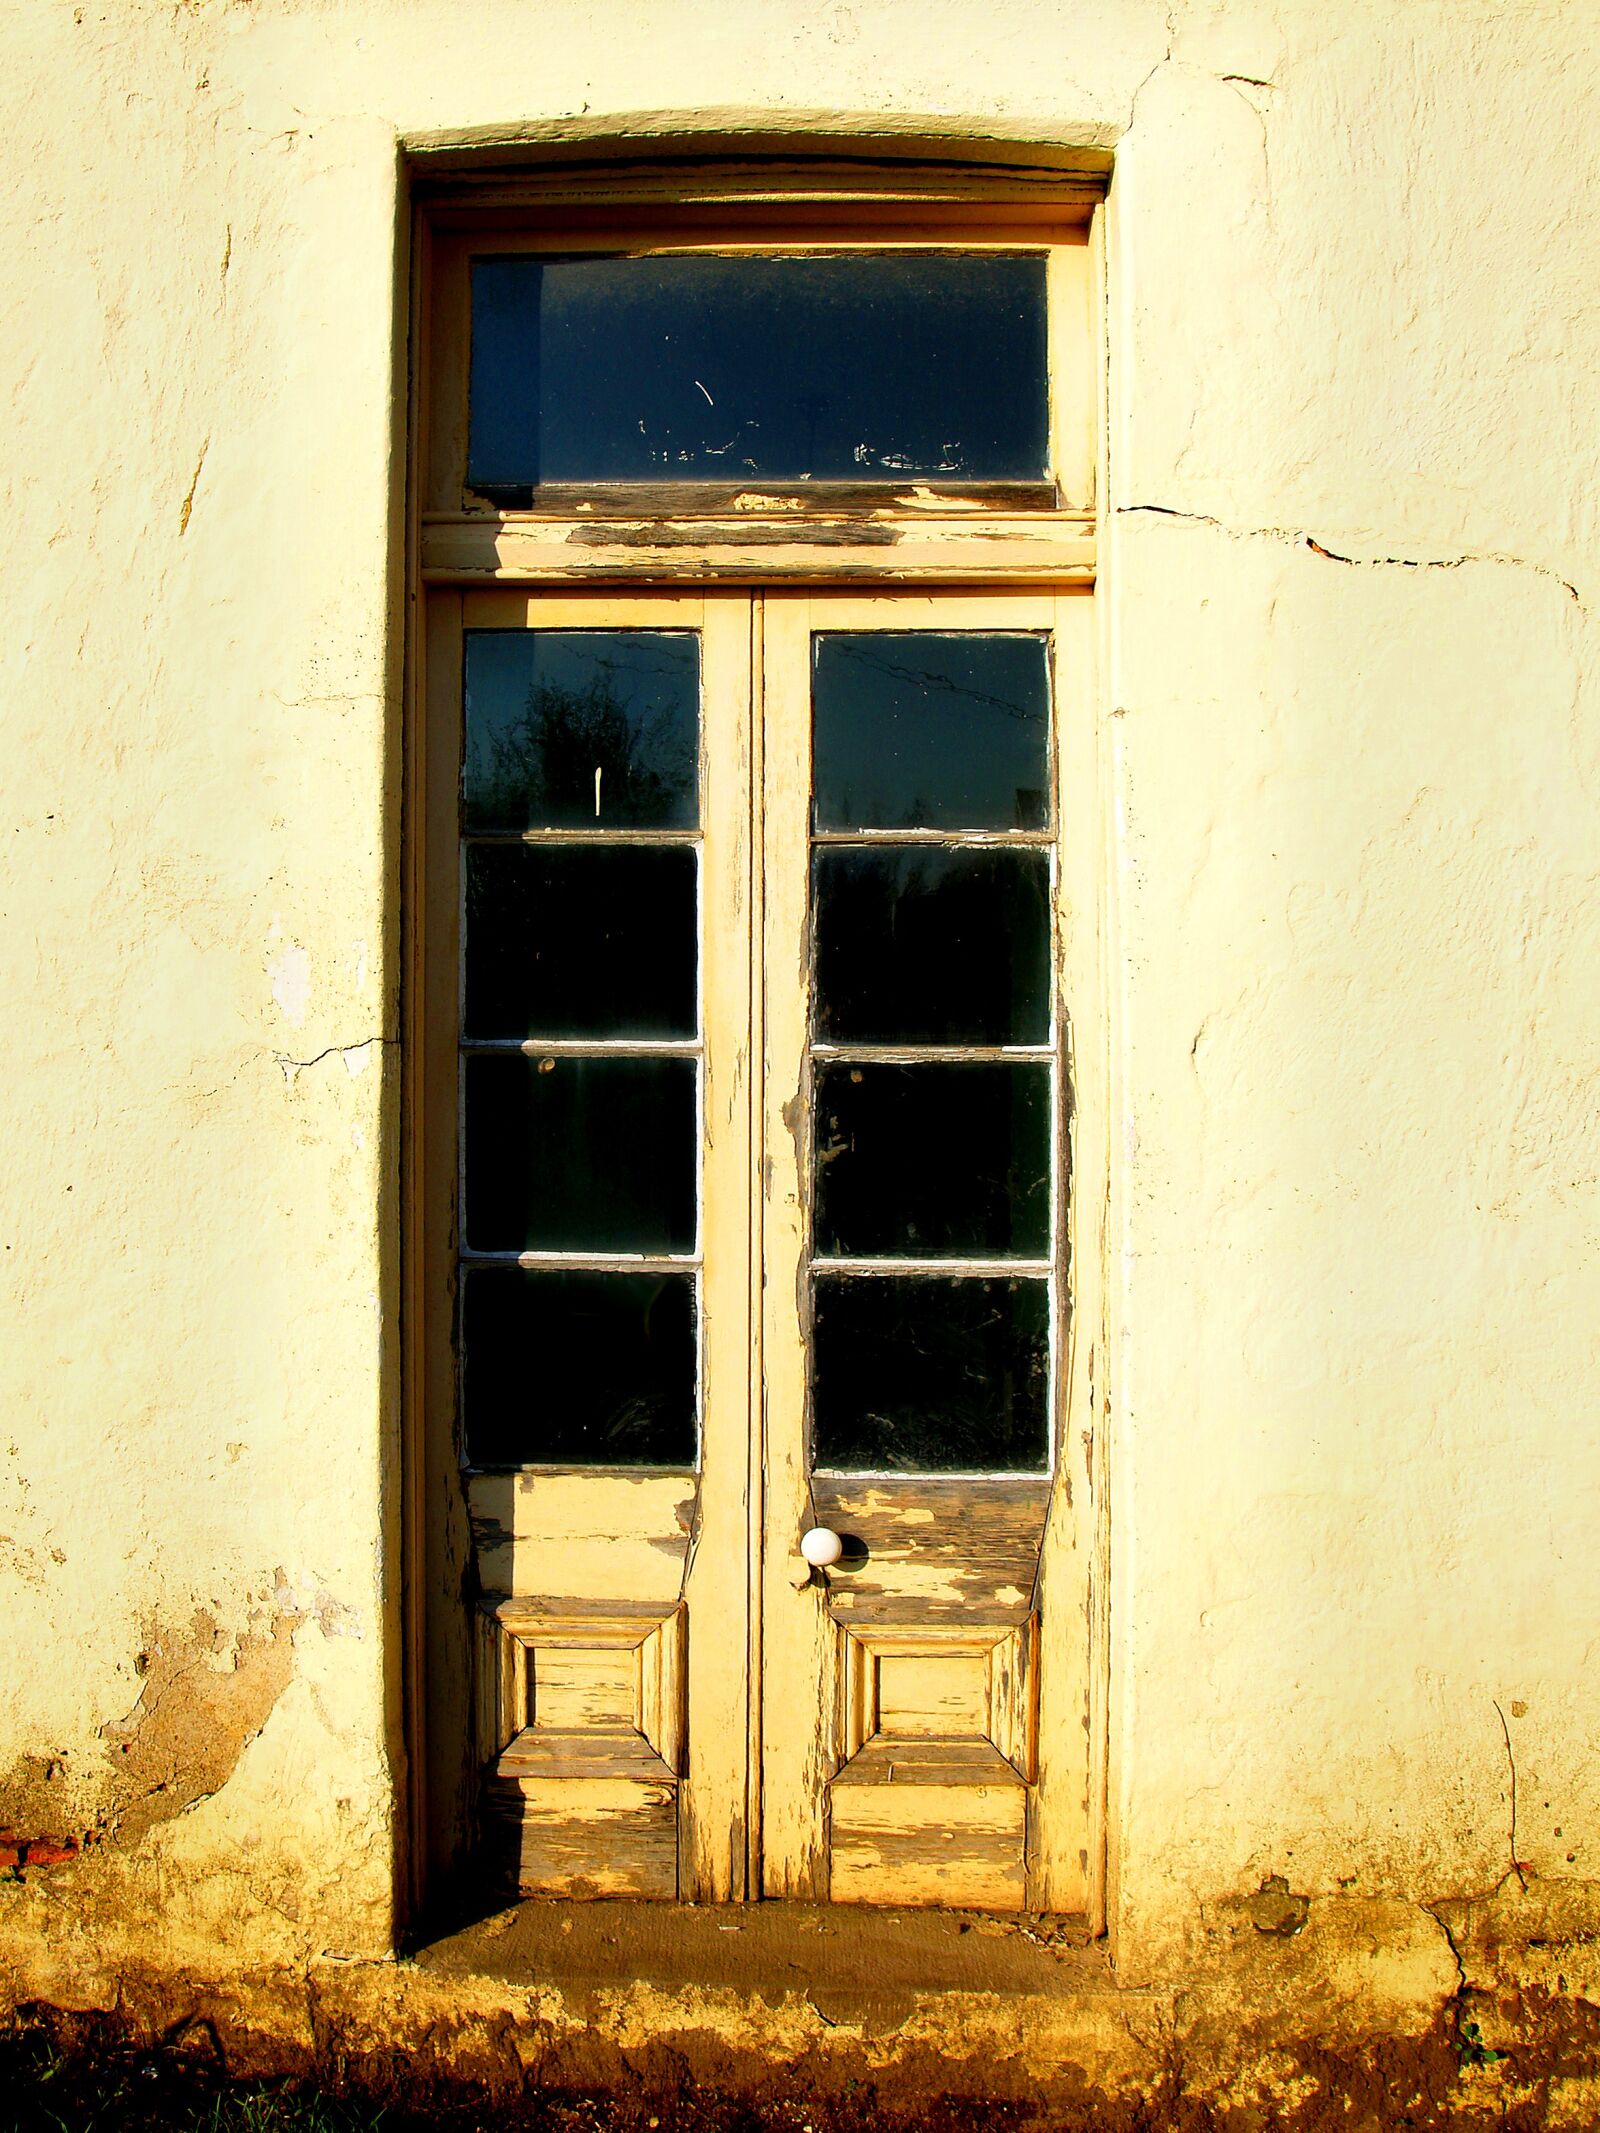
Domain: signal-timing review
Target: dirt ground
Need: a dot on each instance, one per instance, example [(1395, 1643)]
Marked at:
[(74, 2074)]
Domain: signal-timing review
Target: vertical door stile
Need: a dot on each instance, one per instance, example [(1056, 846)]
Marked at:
[(1060, 1815), (755, 1230), (715, 1835), (798, 1636)]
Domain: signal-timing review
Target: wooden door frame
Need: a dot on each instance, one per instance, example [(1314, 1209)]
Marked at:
[(827, 541)]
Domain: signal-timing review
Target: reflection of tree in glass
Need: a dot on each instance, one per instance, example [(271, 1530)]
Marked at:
[(583, 754)]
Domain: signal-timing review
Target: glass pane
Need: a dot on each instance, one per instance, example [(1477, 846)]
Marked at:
[(580, 1155), (926, 946), (580, 1369), (854, 367), (917, 1160), (921, 731), (581, 942), (581, 729), (931, 1375)]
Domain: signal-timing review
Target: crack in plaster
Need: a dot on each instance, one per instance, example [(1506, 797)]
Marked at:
[(351, 1054), (1297, 537), (1516, 1863), (1164, 61), (188, 501)]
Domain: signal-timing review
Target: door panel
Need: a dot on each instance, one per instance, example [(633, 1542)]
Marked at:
[(658, 916), (914, 1349), (585, 873)]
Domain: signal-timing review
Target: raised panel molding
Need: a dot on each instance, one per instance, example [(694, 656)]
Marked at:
[(580, 1713), (936, 1733), (889, 1686)]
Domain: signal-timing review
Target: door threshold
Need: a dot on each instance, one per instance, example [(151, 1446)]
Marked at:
[(849, 1961)]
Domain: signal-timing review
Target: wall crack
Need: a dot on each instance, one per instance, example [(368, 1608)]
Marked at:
[(346, 1052), (1297, 537)]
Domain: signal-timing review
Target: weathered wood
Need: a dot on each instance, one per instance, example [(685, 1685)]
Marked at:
[(589, 1826), (929, 1762), (924, 1638), (755, 505), (940, 1693), (541, 1753), (715, 1822), (746, 550), (583, 1812), (586, 1690), (489, 178), (802, 1649), (594, 1536), (585, 1668), (1013, 1695), (1067, 1854), (929, 1822), (931, 1548)]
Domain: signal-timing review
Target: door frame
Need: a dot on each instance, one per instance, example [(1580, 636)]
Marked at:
[(832, 543)]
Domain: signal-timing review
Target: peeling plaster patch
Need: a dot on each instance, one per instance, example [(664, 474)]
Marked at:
[(289, 973), (204, 1697), (22, 1562), (1275, 1908), (194, 1719), (332, 1616)]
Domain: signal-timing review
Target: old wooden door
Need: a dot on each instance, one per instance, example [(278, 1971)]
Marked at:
[(747, 1143)]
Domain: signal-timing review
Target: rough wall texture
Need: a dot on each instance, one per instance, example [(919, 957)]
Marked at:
[(1351, 691)]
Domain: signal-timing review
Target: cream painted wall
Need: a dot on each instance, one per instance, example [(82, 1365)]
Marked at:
[(1351, 693)]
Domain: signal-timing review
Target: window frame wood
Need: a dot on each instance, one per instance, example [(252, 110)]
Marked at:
[(812, 532)]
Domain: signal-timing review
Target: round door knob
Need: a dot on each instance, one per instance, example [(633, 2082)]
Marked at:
[(821, 1546)]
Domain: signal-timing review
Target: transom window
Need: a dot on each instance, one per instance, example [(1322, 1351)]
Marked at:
[(861, 367)]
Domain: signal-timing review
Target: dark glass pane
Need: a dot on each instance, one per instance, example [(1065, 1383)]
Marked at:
[(581, 942), (854, 367), (923, 946), (929, 1376), (581, 729), (580, 1369), (580, 1155), (922, 731), (918, 1160)]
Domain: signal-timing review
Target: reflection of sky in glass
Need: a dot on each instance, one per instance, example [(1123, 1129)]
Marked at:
[(926, 731), (857, 367), (581, 729)]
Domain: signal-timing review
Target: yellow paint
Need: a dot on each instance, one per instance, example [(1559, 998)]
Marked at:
[(1346, 806)]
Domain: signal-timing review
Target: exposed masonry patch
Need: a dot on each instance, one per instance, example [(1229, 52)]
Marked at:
[(204, 1697), (1294, 537), (184, 1737)]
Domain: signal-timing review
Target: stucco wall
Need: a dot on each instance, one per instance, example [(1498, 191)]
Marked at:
[(1351, 685)]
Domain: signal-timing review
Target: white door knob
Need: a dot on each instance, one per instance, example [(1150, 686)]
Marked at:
[(821, 1546)]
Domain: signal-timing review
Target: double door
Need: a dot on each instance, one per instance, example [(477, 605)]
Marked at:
[(755, 1562)]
